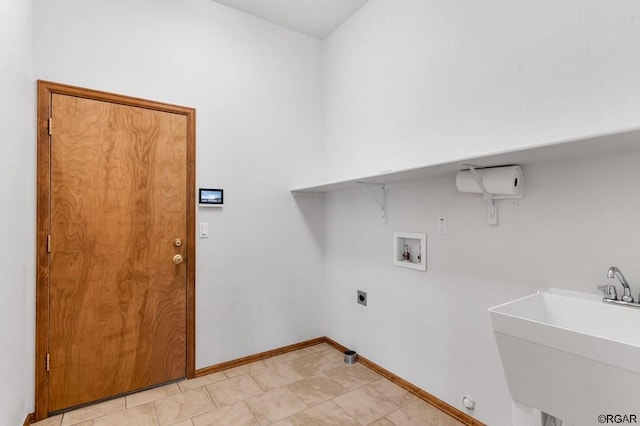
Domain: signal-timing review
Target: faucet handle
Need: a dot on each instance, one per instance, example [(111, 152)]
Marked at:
[(609, 291)]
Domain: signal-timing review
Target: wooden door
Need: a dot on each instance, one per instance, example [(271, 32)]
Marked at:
[(119, 235)]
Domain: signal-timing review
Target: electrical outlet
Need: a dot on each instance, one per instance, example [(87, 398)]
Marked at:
[(442, 226), (362, 297)]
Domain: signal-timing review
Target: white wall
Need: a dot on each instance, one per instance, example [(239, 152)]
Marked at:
[(417, 82), (17, 212), (578, 217), (257, 91), (411, 82)]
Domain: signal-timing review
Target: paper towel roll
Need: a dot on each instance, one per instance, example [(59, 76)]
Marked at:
[(497, 180)]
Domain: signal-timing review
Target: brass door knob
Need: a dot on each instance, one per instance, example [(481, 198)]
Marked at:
[(178, 259)]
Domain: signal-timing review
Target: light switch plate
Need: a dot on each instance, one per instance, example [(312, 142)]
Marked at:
[(204, 230)]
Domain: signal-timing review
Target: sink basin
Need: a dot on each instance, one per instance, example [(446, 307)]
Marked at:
[(570, 355)]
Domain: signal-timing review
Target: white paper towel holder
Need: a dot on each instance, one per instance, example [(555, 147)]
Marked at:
[(489, 197)]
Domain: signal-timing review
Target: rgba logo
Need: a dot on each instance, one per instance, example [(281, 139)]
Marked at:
[(617, 418)]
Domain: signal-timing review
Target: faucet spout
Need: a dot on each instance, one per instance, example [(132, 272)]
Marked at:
[(615, 272)]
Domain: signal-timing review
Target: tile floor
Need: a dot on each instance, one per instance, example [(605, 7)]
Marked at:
[(311, 386)]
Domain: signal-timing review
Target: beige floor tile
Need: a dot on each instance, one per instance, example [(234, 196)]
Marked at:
[(353, 376), (234, 390), (143, 397), (421, 413), (280, 358), (183, 406), (311, 386), (393, 392), (333, 355), (277, 375), (91, 412), (327, 413), (199, 382), (49, 421), (313, 364), (321, 347), (142, 415), (314, 390), (236, 415), (313, 349), (305, 351), (381, 422), (244, 369), (275, 405), (365, 405), (183, 423)]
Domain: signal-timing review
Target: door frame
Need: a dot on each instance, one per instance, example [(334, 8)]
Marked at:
[(45, 90)]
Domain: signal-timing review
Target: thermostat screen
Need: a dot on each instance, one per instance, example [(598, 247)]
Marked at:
[(211, 197)]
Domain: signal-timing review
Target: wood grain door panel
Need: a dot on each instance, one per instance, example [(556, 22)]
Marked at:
[(117, 302)]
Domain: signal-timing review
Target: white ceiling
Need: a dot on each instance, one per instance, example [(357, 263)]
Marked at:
[(317, 18)]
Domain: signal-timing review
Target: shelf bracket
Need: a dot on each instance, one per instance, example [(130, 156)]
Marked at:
[(382, 201), (492, 212)]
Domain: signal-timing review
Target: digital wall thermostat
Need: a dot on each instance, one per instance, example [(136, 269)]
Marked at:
[(210, 197)]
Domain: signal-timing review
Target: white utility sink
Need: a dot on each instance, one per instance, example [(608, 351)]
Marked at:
[(570, 355)]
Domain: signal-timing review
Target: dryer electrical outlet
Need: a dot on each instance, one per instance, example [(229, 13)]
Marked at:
[(362, 297)]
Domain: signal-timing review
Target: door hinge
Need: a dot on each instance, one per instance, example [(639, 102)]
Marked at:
[(50, 126), (48, 362), (49, 243)]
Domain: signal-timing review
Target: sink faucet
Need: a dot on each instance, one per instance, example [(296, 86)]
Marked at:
[(614, 271)]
